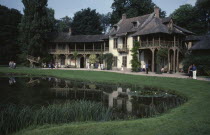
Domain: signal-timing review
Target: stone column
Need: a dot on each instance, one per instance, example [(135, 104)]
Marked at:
[(169, 61), (93, 47), (153, 59), (174, 61), (140, 40), (84, 60), (67, 48), (174, 40), (66, 59), (104, 46), (177, 61), (159, 40), (75, 47)]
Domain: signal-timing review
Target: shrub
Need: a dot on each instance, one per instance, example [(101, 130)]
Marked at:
[(202, 62)]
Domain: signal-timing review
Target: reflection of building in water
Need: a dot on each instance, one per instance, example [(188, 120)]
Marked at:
[(120, 99), (76, 91), (87, 91)]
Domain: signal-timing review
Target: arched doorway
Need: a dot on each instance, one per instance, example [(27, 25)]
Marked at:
[(62, 58), (82, 62)]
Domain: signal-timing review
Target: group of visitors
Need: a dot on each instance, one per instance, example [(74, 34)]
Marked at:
[(192, 71), (12, 64)]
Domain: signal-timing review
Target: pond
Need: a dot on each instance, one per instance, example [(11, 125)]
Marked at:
[(110, 101)]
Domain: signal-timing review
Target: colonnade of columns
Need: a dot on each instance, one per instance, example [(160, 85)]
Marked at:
[(173, 59)]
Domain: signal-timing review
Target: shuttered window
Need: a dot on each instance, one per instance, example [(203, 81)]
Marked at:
[(115, 62), (115, 43), (124, 61)]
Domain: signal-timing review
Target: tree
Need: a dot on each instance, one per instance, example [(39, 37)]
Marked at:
[(93, 59), (105, 21), (132, 8), (187, 17), (52, 20), (34, 28), (86, 22), (64, 24), (203, 8), (134, 62), (9, 49), (75, 54)]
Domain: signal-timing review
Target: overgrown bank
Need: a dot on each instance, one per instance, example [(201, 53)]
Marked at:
[(191, 118)]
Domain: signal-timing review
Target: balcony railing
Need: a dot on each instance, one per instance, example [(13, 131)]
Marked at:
[(159, 43), (54, 51), (123, 50)]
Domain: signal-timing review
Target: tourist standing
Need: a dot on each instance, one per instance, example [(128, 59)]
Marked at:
[(194, 70), (10, 64), (147, 68), (190, 72), (14, 65)]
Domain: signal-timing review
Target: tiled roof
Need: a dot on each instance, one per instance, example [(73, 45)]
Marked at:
[(66, 37), (203, 44)]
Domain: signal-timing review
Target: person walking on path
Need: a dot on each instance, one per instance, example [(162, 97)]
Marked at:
[(190, 72), (147, 68), (194, 70)]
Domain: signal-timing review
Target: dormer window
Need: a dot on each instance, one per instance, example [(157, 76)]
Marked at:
[(135, 24), (115, 27)]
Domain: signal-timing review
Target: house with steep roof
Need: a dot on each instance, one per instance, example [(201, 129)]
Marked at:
[(151, 31)]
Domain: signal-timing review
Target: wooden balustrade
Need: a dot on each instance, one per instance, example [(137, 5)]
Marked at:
[(64, 51), (160, 43)]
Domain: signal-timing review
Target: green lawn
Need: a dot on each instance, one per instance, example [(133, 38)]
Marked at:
[(192, 118)]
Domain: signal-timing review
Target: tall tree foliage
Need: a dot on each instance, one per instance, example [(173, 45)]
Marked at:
[(132, 8), (203, 8), (64, 24), (187, 17), (105, 21), (194, 18), (34, 27), (9, 49), (86, 22)]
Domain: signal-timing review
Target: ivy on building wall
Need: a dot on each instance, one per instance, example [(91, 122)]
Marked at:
[(75, 54), (109, 60), (134, 62), (162, 55)]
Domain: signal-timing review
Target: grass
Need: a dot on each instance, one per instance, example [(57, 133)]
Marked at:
[(192, 118)]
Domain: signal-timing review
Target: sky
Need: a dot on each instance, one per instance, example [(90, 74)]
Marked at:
[(69, 7)]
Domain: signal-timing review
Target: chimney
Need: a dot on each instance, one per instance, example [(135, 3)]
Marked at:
[(70, 31), (157, 11), (124, 16)]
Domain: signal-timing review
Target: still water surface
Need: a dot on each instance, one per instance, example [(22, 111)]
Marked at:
[(123, 99)]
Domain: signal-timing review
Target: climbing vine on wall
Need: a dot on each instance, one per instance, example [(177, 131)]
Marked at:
[(109, 60), (162, 55), (134, 62)]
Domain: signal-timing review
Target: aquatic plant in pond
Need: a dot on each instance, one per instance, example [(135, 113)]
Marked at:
[(14, 118)]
